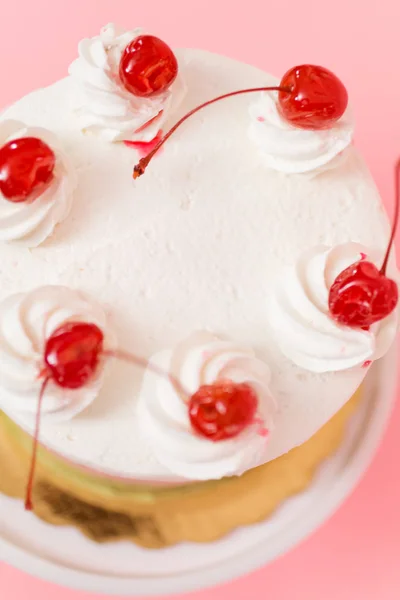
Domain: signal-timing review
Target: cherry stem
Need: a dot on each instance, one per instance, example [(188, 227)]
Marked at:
[(29, 487), (140, 168), (395, 218), (146, 364)]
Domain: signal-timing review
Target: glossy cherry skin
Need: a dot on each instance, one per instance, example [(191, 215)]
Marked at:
[(26, 168), (222, 410), (361, 296), (316, 100), (148, 67), (72, 354)]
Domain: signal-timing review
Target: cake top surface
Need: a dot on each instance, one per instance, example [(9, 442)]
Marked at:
[(215, 251)]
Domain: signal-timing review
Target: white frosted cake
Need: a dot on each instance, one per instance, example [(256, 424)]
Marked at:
[(215, 265)]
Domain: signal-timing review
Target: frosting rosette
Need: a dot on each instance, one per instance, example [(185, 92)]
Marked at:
[(304, 328), (26, 323), (293, 150), (164, 416), (106, 108), (29, 223)]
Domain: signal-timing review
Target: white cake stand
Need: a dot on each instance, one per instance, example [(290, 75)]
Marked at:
[(64, 556)]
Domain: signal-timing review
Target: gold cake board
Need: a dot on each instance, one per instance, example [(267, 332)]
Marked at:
[(105, 510)]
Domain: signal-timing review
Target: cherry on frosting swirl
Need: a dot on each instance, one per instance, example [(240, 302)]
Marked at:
[(26, 322), (201, 360), (106, 108), (304, 328), (30, 223), (290, 149)]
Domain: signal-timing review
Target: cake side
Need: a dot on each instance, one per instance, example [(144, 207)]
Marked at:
[(202, 512)]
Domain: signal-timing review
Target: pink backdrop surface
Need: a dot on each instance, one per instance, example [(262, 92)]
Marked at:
[(357, 553)]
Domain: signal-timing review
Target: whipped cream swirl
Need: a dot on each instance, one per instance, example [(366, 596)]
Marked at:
[(293, 150), (30, 223), (305, 330), (107, 109), (163, 410), (26, 322)]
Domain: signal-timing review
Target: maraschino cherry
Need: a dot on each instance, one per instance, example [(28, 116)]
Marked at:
[(72, 354), (148, 67), (317, 98), (222, 410), (362, 294), (26, 168), (310, 97)]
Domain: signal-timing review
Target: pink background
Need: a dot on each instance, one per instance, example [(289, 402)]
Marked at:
[(357, 554)]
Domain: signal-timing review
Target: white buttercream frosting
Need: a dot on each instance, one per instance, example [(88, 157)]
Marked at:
[(26, 322), (290, 149), (299, 313), (164, 417), (107, 109), (30, 223), (195, 244)]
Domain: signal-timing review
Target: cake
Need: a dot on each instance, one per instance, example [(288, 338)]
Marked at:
[(186, 345)]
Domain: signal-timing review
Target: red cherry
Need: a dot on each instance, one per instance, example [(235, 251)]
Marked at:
[(316, 100), (26, 168), (72, 354), (222, 410), (148, 66), (361, 295)]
